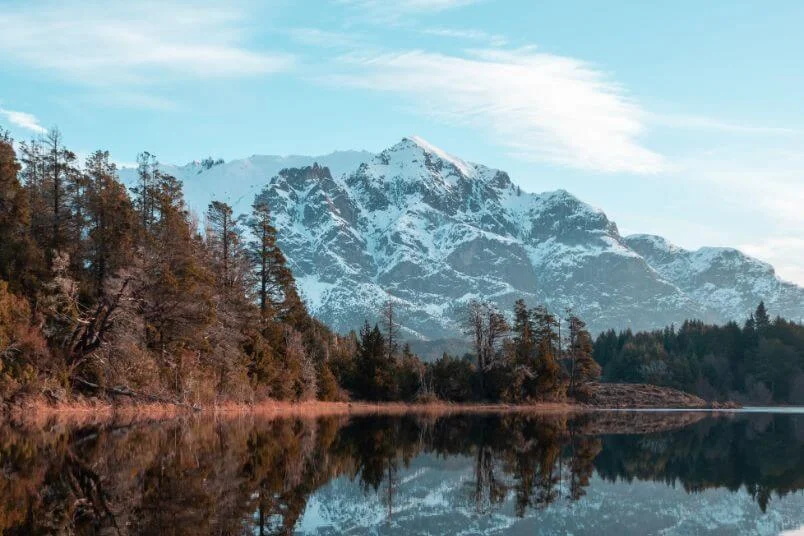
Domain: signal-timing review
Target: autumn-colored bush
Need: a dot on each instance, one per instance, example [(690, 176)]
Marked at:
[(22, 347)]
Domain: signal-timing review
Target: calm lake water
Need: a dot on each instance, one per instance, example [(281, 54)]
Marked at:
[(598, 473)]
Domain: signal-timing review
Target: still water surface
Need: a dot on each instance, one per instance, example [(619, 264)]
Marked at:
[(599, 473)]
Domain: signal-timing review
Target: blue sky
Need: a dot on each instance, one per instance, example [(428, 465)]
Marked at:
[(681, 118)]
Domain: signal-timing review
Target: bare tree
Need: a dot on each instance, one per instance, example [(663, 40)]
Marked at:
[(487, 326)]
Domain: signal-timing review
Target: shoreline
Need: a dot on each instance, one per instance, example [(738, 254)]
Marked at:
[(604, 397), (84, 412), (101, 410)]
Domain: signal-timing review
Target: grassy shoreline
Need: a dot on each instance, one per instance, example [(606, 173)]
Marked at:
[(604, 397), (93, 410)]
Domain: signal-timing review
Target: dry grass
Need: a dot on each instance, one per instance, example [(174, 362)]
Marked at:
[(317, 408), (93, 411)]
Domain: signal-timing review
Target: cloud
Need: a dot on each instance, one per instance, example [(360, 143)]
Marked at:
[(769, 182), (104, 44), (697, 122), (542, 107), (392, 12), (23, 120), (407, 6), (469, 35), (324, 38)]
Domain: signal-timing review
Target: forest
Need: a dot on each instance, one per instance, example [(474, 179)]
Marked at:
[(112, 292), (760, 362)]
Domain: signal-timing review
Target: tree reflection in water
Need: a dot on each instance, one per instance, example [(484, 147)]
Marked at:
[(251, 475)]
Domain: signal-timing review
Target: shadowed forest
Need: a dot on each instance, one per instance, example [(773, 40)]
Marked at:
[(760, 362)]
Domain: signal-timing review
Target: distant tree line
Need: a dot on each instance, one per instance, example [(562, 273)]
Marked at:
[(116, 292), (760, 362)]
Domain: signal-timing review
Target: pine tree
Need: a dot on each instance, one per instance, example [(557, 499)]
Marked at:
[(147, 189), (583, 368), (373, 371), (761, 319), (20, 260), (548, 369), (112, 223), (276, 289), (224, 237), (60, 174)]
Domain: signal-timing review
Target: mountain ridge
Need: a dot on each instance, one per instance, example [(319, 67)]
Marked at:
[(433, 231)]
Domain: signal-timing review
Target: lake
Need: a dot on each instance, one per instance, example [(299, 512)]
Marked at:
[(473, 473)]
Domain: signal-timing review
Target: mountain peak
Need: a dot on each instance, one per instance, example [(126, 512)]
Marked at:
[(420, 144)]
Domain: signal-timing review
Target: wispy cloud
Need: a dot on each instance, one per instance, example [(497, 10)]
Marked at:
[(324, 38), (468, 35), (697, 122), (540, 106), (103, 44), (393, 12), (407, 6), (23, 120)]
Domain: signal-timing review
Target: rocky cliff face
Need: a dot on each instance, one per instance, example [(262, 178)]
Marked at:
[(433, 232)]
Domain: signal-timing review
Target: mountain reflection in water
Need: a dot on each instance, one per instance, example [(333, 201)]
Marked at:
[(403, 474)]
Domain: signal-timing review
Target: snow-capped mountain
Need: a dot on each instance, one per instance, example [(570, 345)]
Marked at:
[(433, 231), (238, 181), (725, 280)]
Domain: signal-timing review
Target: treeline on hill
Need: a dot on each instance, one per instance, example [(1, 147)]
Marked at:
[(109, 292), (761, 362)]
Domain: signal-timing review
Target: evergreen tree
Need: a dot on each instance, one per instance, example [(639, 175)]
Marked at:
[(20, 261), (761, 319), (548, 369), (112, 223), (60, 176), (276, 288), (583, 368), (374, 372), (147, 189)]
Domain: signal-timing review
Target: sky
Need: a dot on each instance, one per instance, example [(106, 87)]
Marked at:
[(682, 119)]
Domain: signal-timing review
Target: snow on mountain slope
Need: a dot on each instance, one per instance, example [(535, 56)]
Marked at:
[(724, 280), (238, 181), (434, 231)]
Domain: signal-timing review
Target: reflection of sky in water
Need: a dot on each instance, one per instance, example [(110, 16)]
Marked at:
[(432, 499)]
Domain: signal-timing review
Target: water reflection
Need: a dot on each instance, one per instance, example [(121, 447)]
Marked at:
[(255, 476)]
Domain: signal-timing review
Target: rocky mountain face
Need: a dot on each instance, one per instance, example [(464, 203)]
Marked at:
[(725, 281), (432, 232)]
